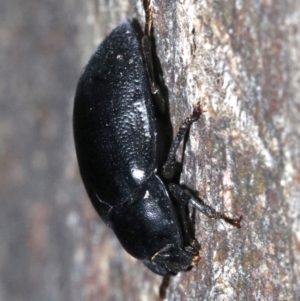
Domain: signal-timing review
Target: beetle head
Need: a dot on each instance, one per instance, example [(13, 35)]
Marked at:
[(174, 259)]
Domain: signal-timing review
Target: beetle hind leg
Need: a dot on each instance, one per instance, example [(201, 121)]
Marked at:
[(183, 196), (147, 52)]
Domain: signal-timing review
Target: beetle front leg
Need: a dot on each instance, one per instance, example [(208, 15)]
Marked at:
[(169, 168), (183, 196)]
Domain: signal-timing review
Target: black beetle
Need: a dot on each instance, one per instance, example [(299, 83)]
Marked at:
[(118, 149)]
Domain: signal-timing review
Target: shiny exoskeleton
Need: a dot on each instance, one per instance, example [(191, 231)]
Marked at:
[(118, 145)]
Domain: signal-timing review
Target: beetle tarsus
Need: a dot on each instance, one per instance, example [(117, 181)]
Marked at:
[(234, 221), (197, 112)]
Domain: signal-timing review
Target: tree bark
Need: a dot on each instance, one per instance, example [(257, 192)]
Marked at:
[(241, 60)]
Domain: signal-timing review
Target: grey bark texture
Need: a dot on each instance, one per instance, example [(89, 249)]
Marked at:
[(241, 59)]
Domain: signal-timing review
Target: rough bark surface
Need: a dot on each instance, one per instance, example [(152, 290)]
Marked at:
[(242, 60)]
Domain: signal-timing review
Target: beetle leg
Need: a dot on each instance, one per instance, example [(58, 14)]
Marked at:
[(182, 195), (169, 167), (147, 51), (148, 13), (184, 219), (182, 201), (164, 286)]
